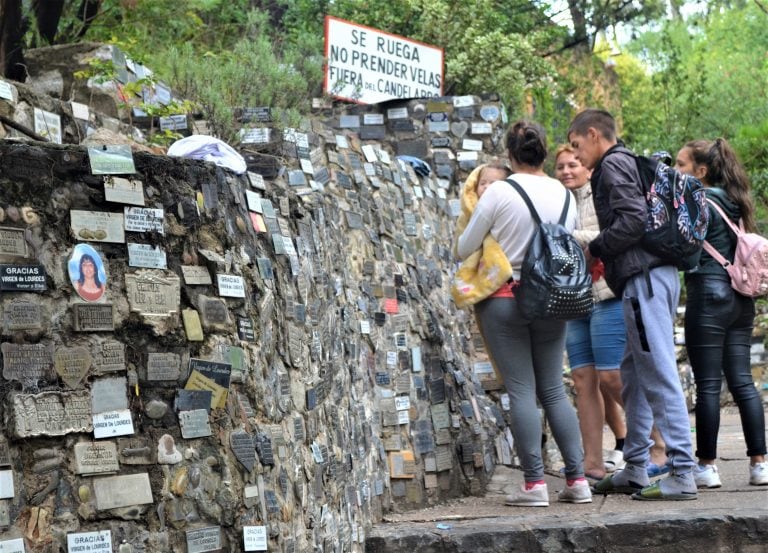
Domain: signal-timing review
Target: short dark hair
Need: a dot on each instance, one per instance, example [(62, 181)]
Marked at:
[(527, 143), (599, 119)]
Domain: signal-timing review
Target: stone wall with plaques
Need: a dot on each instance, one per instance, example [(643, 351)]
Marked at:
[(282, 355)]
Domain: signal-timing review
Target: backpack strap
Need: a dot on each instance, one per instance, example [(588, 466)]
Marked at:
[(738, 231), (529, 203)]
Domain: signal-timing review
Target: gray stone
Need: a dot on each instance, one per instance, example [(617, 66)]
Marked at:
[(156, 409)]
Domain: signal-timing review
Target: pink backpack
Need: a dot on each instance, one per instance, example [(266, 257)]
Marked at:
[(749, 270)]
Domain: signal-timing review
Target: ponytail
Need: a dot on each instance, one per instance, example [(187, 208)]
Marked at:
[(723, 166)]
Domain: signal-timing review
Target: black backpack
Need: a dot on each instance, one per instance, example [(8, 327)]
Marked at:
[(678, 215), (555, 282)]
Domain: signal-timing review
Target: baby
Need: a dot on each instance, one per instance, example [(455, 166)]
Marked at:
[(490, 174)]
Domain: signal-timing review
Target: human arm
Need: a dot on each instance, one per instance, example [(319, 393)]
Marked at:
[(478, 227)]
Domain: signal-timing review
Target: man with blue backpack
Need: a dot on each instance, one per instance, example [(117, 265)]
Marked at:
[(631, 212)]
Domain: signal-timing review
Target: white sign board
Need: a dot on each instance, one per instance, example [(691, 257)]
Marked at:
[(112, 423), (255, 538), (12, 546), (231, 286), (86, 542), (369, 66), (48, 124), (144, 219)]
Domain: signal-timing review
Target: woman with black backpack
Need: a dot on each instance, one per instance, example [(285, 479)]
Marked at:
[(719, 320), (527, 353)]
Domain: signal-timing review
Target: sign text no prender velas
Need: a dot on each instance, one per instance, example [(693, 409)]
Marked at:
[(369, 66)]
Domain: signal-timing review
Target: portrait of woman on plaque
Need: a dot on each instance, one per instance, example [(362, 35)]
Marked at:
[(86, 271)]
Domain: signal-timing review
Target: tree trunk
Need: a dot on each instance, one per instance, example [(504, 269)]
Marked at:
[(48, 14), (11, 47), (579, 19)]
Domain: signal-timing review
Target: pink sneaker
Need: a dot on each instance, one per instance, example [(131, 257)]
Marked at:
[(578, 492)]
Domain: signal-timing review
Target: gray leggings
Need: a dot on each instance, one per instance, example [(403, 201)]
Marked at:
[(529, 356)]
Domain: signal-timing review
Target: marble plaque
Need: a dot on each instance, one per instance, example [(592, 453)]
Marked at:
[(481, 128), (397, 113), (402, 464), (12, 242), (255, 538), (114, 492), (243, 448), (108, 357), (51, 413), (196, 275), (173, 122), (245, 330), (90, 542), (6, 91), (90, 317), (109, 394), (214, 312), (72, 364), (12, 546), (373, 119), (443, 458), (144, 219), (112, 423), (489, 113), (124, 191), (231, 286), (48, 124), (204, 539), (6, 484), (22, 278), (152, 292), (146, 256), (163, 366), (22, 315), (111, 160), (194, 423), (191, 400), (97, 226), (96, 458), (27, 362), (5, 454)]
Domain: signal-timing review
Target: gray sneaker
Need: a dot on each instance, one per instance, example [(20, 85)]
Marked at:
[(578, 492), (538, 496), (675, 487)]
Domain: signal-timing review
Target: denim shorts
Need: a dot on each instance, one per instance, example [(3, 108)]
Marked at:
[(599, 339)]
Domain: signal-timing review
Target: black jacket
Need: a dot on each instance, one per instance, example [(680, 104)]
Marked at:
[(621, 212), (719, 234)]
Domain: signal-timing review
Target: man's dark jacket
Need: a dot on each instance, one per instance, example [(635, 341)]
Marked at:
[(617, 192)]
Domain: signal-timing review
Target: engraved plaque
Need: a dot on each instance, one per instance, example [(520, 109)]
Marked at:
[(12, 242), (5, 454), (123, 191), (190, 400), (144, 219), (204, 539), (245, 329), (22, 278), (22, 315), (232, 286), (109, 394), (112, 423), (72, 364), (194, 423), (51, 413), (163, 366), (196, 275), (90, 317), (97, 226), (243, 448), (144, 255), (27, 362), (113, 492), (109, 356), (96, 458), (153, 292), (90, 542), (255, 538), (214, 311)]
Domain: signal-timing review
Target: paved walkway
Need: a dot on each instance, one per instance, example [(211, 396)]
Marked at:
[(489, 515)]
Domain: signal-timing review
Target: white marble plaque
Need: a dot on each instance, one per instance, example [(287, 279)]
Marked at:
[(80, 111), (173, 122), (196, 275), (467, 156), (144, 255), (402, 403), (231, 286), (96, 458), (255, 538), (373, 119), (6, 91), (144, 219), (113, 492), (6, 484), (97, 226), (204, 539), (256, 180), (397, 113), (370, 153), (254, 201), (479, 127), (255, 136), (124, 191), (403, 417), (90, 542), (12, 546), (112, 423), (474, 145), (48, 124)]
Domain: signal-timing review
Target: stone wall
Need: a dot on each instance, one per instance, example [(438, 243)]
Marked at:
[(175, 414)]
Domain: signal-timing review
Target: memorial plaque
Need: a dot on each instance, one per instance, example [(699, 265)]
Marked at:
[(6, 91), (373, 119), (89, 317), (245, 329), (124, 191), (51, 414), (214, 312), (441, 142), (48, 124), (489, 113), (5, 454), (152, 292), (243, 448), (465, 112), (231, 286), (96, 458), (176, 122), (397, 113), (163, 366), (262, 114), (146, 256), (257, 135), (255, 538), (443, 458), (191, 400), (109, 424), (12, 242), (109, 394), (194, 423), (111, 160), (197, 381), (22, 278), (22, 315), (97, 226), (27, 362), (481, 128), (114, 492), (373, 132), (256, 181), (90, 542), (6, 485), (144, 219), (196, 275), (402, 465), (72, 364), (109, 356), (135, 451), (218, 372), (204, 539)]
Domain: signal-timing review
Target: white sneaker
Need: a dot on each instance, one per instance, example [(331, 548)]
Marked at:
[(613, 460), (538, 496), (707, 476), (578, 492), (758, 474)]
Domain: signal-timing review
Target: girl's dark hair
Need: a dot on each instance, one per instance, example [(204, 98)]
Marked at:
[(527, 143), (724, 168), (88, 257)]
